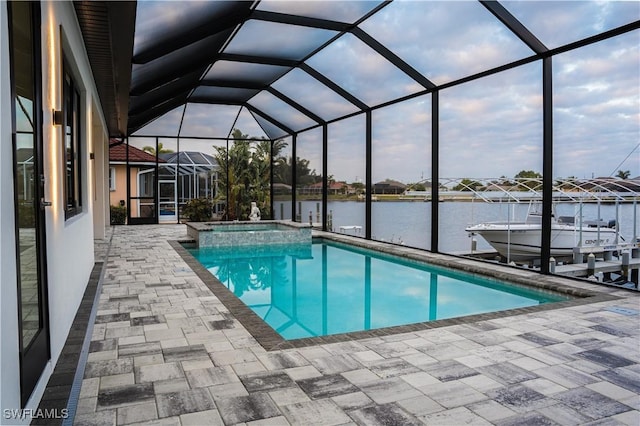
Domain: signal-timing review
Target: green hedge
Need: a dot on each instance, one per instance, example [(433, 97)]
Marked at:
[(118, 215), (198, 209)]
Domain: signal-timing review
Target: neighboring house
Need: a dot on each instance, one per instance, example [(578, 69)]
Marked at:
[(141, 163), (389, 186), (197, 178)]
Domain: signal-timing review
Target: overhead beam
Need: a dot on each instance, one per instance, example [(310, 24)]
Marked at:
[(302, 21), (393, 58), (330, 84), (515, 26), (295, 105)]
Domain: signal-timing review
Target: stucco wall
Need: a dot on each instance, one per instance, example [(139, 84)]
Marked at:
[(69, 243)]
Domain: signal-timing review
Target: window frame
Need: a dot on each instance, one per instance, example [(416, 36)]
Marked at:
[(112, 179), (71, 144)]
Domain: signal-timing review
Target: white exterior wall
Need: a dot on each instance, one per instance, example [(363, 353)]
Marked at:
[(69, 243), (9, 363)]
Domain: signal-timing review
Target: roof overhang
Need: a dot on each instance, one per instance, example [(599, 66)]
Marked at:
[(108, 29)]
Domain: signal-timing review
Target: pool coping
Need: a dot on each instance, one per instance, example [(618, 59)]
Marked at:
[(581, 292)]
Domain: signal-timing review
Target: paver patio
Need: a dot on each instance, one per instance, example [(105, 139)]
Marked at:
[(165, 350)]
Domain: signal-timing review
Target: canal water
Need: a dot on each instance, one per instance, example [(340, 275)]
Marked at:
[(409, 222)]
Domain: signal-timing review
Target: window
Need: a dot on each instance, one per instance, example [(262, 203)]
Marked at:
[(72, 147), (112, 178)]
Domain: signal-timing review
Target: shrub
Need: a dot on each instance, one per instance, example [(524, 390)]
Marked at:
[(198, 209), (118, 215)]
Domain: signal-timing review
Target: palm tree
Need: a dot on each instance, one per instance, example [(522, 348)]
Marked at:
[(161, 150), (623, 174)]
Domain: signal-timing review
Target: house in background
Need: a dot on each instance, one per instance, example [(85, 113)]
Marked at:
[(389, 186), (141, 180), (159, 187)]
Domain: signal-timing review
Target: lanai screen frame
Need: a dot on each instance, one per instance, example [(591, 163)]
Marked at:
[(541, 53)]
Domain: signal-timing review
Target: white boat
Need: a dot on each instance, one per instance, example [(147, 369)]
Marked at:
[(520, 241)]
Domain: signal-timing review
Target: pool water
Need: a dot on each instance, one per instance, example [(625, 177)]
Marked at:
[(328, 288)]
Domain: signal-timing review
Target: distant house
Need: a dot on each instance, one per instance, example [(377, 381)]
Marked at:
[(142, 164), (389, 186), (334, 188)]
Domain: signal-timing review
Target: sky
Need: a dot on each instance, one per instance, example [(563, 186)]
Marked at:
[(488, 127)]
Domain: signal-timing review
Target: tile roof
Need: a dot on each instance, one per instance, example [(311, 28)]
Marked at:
[(118, 152)]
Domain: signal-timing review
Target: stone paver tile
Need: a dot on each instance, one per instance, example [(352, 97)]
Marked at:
[(520, 398), (590, 403), (612, 391), (272, 421), (544, 386), (419, 359), (394, 389), (288, 396), (449, 370), (564, 415), (87, 405), (481, 382), (531, 418), (211, 376), (157, 372), (196, 364), (366, 357), (623, 377), (125, 395), (148, 360), (507, 373), (102, 355), (237, 356), (137, 413), (100, 418), (208, 417), (282, 360), (566, 376), (326, 386), (456, 416), (631, 418), (300, 373), (116, 380), (173, 343), (392, 368), (527, 363), (420, 405), (247, 408), (227, 390), (352, 401), (183, 402), (473, 361), (246, 368), (419, 379), (108, 367), (321, 412), (174, 385), (160, 335), (605, 358), (266, 381), (185, 353), (90, 387), (491, 410), (336, 364), (452, 394), (139, 349), (384, 414)]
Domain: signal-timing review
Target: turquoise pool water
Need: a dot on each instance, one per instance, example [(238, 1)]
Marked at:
[(327, 288)]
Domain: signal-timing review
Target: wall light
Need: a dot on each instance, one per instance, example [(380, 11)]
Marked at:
[(58, 118)]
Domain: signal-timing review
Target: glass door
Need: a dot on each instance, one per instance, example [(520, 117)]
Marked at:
[(167, 201), (143, 197), (31, 271)]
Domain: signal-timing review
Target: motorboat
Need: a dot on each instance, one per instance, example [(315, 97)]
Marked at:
[(522, 240)]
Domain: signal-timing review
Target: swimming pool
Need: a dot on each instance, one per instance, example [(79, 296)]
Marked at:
[(328, 288)]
